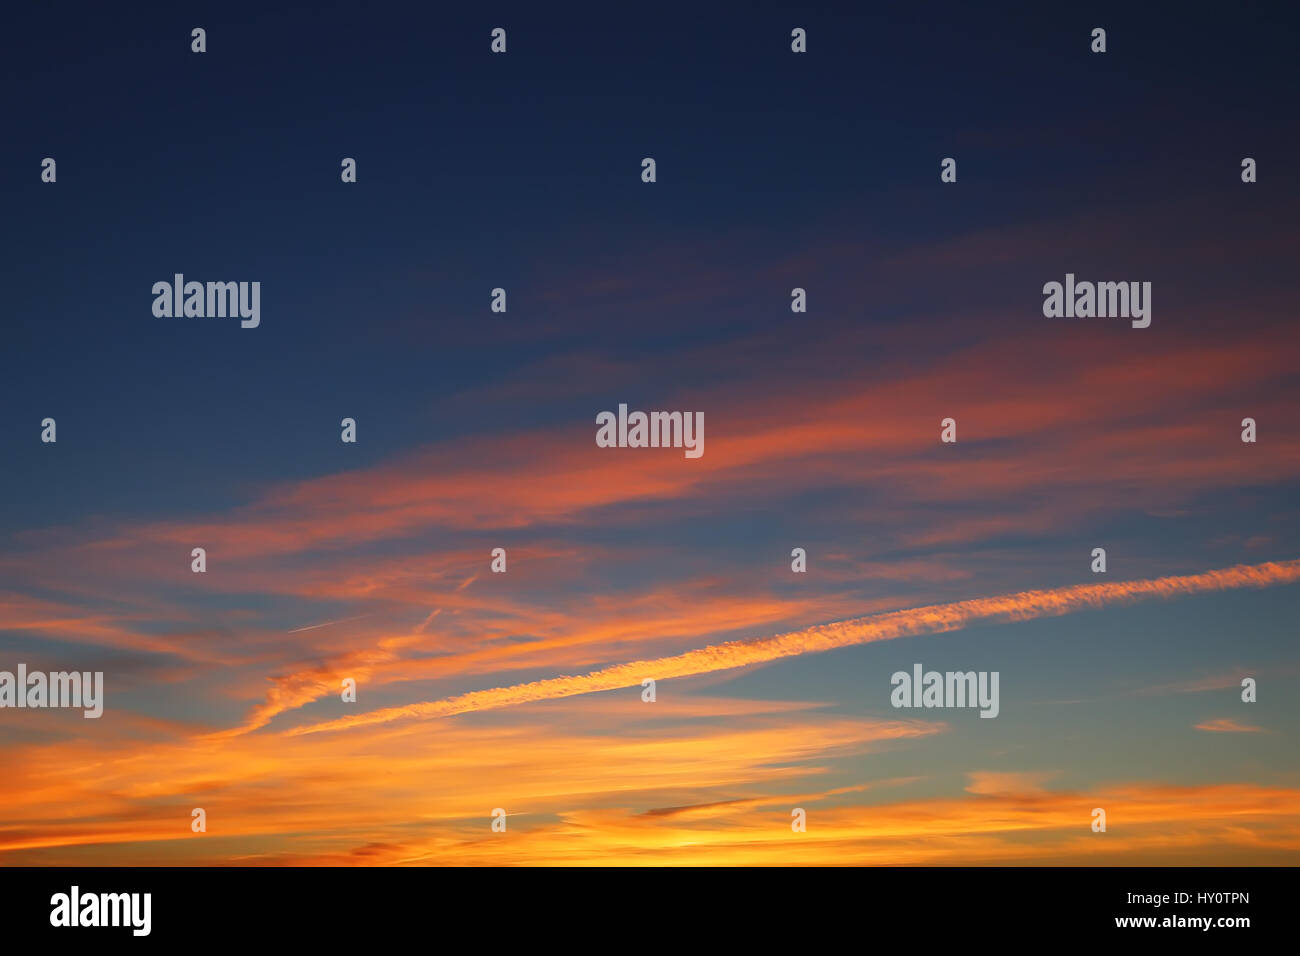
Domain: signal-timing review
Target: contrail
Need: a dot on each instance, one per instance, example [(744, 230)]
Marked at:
[(342, 620), (934, 619)]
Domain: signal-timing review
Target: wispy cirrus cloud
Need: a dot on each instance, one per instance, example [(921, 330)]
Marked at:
[(1228, 725), (925, 620)]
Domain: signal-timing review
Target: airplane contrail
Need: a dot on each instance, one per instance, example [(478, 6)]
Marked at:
[(342, 620), (932, 619)]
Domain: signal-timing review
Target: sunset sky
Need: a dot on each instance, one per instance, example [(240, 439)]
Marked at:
[(475, 430)]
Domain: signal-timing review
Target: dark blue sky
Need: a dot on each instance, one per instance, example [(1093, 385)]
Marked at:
[(522, 171)]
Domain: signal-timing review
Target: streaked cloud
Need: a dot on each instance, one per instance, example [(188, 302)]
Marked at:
[(1023, 606), (1228, 725)]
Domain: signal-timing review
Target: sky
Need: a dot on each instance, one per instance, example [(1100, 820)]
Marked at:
[(522, 691)]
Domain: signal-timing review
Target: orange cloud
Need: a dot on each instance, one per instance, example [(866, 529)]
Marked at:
[(1005, 782), (1023, 606), (648, 793), (1227, 725), (83, 794), (1019, 433)]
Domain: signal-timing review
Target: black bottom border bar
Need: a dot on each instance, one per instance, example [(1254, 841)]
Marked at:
[(330, 905)]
